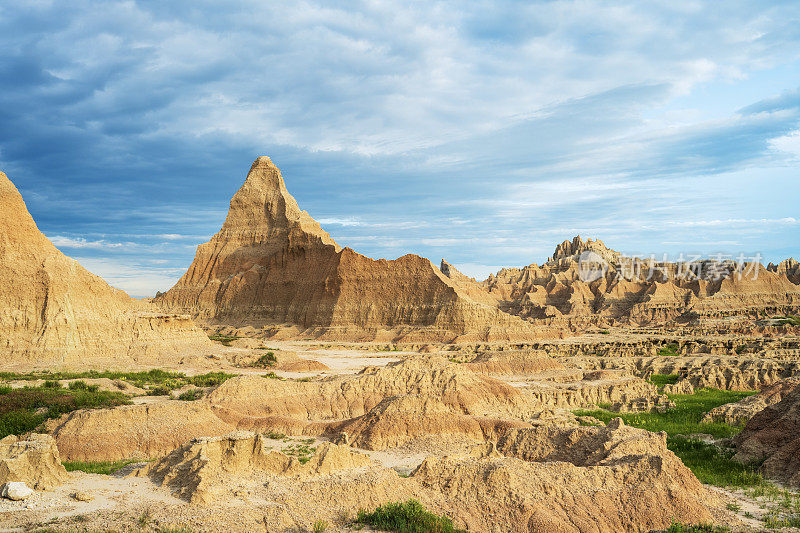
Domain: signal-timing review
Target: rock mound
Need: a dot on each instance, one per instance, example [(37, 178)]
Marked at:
[(53, 311), (33, 460), (586, 479), (140, 431), (773, 435), (738, 413), (271, 264), (198, 469)]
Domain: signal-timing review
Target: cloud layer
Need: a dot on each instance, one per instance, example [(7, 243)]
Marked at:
[(484, 134)]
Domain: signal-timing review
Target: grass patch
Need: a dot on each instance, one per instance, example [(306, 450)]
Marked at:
[(406, 517), (226, 340), (191, 395), (682, 419), (23, 410), (669, 350), (713, 465), (709, 463), (144, 379), (266, 360), (788, 320), (660, 380), (677, 527), (97, 467)]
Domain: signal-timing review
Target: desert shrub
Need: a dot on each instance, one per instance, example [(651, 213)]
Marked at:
[(320, 526), (191, 395), (677, 527), (211, 379), (406, 517), (266, 360), (224, 339), (51, 384)]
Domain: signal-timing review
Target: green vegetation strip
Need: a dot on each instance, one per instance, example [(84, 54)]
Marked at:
[(99, 467), (25, 409), (709, 463), (406, 517)]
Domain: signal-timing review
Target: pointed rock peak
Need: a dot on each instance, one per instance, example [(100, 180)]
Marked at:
[(578, 246), (16, 223), (263, 208), (453, 273)]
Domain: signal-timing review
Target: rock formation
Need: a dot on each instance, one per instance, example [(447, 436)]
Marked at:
[(53, 311), (33, 460), (271, 264), (585, 283), (773, 436), (737, 413)]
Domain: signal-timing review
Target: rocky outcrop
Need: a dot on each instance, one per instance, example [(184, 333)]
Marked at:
[(613, 478), (271, 264), (55, 312), (585, 283), (773, 436), (737, 413), (198, 469), (138, 431), (33, 460)]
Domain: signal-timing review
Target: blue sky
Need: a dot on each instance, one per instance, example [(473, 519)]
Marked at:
[(482, 134)]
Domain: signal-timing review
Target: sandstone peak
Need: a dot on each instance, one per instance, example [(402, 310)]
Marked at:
[(577, 246), (262, 210)]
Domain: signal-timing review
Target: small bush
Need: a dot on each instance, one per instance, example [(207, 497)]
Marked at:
[(320, 526), (406, 517), (266, 360), (191, 395), (664, 379), (211, 379), (52, 384)]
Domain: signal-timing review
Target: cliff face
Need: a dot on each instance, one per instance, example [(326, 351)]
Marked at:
[(54, 311), (272, 264)]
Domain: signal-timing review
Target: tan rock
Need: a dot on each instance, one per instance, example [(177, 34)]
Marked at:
[(53, 311), (34, 461)]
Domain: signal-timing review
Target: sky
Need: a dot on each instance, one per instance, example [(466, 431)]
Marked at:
[(480, 132)]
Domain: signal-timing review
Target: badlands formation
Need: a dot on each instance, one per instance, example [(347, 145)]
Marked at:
[(55, 312), (342, 383)]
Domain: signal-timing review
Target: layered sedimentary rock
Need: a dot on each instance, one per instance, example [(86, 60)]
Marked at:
[(33, 460), (272, 264), (738, 413), (773, 436), (585, 283), (53, 311)]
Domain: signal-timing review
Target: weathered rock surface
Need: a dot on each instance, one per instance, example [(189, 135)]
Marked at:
[(773, 435), (15, 490), (611, 478), (34, 461), (738, 413), (140, 431), (53, 311), (271, 264)]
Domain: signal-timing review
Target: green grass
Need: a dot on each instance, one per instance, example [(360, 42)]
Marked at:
[(144, 379), (97, 467), (266, 360), (713, 465), (664, 379), (677, 527), (682, 419), (788, 320), (20, 408), (224, 339), (406, 517), (191, 395), (709, 463), (669, 350)]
